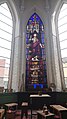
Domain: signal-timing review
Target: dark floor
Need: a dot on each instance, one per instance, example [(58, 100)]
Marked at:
[(34, 116), (18, 115)]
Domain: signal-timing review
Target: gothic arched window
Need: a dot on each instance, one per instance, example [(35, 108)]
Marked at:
[(36, 77), (62, 28), (6, 27)]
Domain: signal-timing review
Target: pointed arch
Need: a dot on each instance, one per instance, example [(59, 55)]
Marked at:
[(57, 49), (62, 32), (15, 34)]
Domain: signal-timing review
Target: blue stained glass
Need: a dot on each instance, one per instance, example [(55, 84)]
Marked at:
[(41, 85), (35, 54), (34, 85)]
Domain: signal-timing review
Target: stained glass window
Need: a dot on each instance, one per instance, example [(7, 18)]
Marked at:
[(36, 77)]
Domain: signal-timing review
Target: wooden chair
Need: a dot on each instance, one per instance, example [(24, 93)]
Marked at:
[(10, 114), (24, 109)]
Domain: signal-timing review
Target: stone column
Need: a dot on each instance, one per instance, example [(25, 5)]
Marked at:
[(48, 43), (56, 56)]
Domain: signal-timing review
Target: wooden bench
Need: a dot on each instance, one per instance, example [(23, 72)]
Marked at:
[(60, 110), (41, 115)]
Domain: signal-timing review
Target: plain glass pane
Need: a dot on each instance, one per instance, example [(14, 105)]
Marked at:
[(5, 35), (5, 27), (62, 21), (5, 6), (5, 12), (64, 60), (62, 14), (62, 28), (65, 82), (64, 53), (4, 65), (4, 52), (4, 72), (6, 20), (64, 64), (65, 72), (64, 7), (5, 44), (63, 36), (63, 44), (1, 72), (5, 82), (7, 65), (7, 61)]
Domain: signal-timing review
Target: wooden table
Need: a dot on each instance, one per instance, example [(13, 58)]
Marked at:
[(58, 107), (38, 100), (41, 115), (2, 111), (62, 111), (37, 96), (9, 105)]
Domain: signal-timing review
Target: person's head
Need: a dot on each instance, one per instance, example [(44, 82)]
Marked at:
[(35, 35)]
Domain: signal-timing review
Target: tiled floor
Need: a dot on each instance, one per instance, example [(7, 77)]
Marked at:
[(18, 115), (34, 116)]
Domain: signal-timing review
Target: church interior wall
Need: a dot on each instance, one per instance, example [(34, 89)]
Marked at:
[(23, 9)]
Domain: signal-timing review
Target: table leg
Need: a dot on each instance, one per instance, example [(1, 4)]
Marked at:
[(31, 113), (39, 116)]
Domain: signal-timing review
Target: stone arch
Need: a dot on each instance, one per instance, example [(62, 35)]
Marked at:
[(16, 21), (57, 57), (58, 43), (38, 11), (26, 17)]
